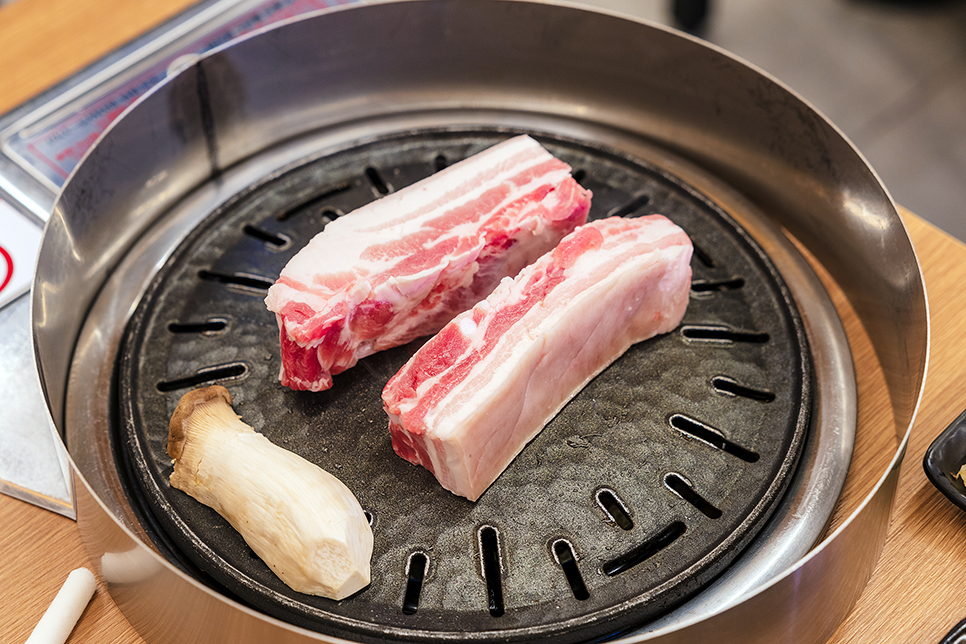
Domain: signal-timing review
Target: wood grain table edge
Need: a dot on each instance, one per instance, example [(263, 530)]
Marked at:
[(914, 593)]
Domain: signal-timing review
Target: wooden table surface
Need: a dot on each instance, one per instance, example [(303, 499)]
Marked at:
[(915, 593)]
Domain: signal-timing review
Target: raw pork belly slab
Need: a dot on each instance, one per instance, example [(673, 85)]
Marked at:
[(475, 394), (401, 267)]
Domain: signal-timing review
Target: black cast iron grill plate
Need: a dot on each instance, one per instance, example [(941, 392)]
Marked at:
[(639, 493)]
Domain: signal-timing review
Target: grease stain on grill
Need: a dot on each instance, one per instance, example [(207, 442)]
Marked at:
[(416, 567), (685, 489), (731, 387), (230, 371), (581, 442), (711, 436), (489, 546), (645, 550), (563, 554), (242, 281), (613, 506), (211, 326), (722, 334)]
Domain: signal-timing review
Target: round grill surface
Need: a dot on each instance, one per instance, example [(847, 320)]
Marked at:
[(640, 492)]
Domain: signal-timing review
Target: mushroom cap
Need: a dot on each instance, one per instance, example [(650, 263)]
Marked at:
[(177, 427)]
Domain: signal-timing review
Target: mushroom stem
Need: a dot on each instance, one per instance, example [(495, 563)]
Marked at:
[(304, 523)]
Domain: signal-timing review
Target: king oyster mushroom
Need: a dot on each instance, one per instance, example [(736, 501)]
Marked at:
[(302, 521)]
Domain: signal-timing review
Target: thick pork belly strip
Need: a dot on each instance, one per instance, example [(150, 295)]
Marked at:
[(475, 394), (401, 267)]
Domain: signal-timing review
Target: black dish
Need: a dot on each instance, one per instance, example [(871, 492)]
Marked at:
[(945, 456)]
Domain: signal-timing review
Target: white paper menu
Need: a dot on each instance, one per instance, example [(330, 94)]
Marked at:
[(19, 245)]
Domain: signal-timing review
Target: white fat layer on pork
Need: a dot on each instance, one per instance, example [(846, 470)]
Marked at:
[(401, 267), (343, 241), (519, 383), (577, 291)]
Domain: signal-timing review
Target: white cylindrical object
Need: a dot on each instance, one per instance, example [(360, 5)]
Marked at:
[(62, 614)]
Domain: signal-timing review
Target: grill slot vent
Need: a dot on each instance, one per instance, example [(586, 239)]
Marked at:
[(313, 200), (331, 214), (415, 573), (243, 280), (685, 489), (275, 241), (711, 286), (563, 552), (233, 370), (208, 327), (440, 162), (722, 334), (711, 436), (615, 509), (727, 386), (377, 182), (630, 207), (703, 256), (644, 551), (489, 544)]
